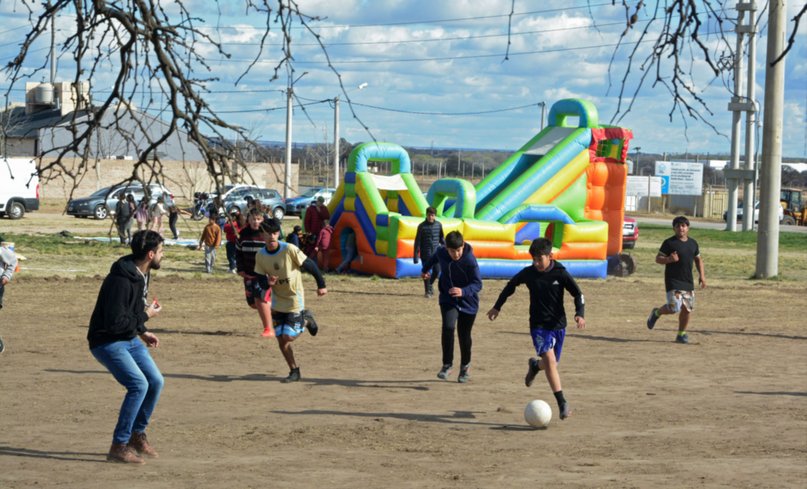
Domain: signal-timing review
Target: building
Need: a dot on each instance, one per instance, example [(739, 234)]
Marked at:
[(44, 127)]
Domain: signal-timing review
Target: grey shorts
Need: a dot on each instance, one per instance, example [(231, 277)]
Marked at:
[(678, 298)]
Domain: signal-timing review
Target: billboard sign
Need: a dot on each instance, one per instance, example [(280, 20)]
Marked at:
[(680, 178)]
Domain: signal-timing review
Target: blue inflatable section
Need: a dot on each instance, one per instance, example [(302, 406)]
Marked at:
[(505, 269)]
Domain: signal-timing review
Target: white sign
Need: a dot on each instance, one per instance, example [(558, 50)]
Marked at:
[(680, 178), (638, 186)]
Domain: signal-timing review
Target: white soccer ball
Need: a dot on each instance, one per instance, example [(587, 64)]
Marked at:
[(538, 414)]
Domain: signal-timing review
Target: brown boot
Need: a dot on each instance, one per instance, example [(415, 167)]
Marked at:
[(123, 454), (140, 444)]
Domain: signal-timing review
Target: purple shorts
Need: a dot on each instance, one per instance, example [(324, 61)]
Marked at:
[(548, 339)]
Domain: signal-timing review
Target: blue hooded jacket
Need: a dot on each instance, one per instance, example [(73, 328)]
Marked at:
[(463, 273)]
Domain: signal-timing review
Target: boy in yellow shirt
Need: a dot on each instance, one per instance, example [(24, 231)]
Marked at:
[(282, 263)]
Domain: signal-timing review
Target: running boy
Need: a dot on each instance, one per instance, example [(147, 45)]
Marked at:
[(250, 242), (677, 253), (280, 263), (459, 286), (546, 279)]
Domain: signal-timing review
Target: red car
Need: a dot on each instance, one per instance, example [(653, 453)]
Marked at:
[(630, 233)]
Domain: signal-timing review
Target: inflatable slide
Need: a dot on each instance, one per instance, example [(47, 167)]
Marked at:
[(567, 184)]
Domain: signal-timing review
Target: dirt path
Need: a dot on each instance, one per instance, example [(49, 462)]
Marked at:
[(729, 410)]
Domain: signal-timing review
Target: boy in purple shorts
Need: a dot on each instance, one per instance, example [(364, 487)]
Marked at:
[(281, 263), (546, 279), (677, 254)]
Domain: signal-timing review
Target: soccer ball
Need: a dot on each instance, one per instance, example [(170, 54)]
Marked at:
[(538, 414)]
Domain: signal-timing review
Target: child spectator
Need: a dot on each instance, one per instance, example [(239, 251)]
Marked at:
[(210, 239)]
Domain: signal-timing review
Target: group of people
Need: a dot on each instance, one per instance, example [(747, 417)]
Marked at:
[(315, 242), (129, 212), (271, 270)]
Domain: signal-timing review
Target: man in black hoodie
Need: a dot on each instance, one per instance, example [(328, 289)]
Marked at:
[(428, 238), (117, 321)]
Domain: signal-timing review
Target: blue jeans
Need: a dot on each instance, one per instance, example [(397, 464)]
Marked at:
[(132, 366)]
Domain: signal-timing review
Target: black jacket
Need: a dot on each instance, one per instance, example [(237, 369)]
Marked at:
[(120, 312), (428, 238), (546, 295)]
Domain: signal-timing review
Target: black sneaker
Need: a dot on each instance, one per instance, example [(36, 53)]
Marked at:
[(443, 373), (310, 323), (682, 338), (565, 410), (652, 318), (532, 371), (294, 376), (2, 346), (464, 376)]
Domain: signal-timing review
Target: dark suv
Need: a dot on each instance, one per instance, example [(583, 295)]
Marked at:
[(101, 203), (236, 199)]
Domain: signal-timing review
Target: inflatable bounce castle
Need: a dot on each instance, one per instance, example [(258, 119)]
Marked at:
[(566, 184)]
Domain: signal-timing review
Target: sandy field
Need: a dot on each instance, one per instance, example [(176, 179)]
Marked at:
[(728, 410)]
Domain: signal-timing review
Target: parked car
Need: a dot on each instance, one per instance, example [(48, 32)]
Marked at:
[(101, 203), (19, 187), (780, 210), (296, 205), (630, 233), (236, 199)]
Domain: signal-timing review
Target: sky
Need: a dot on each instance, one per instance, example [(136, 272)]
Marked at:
[(446, 74)]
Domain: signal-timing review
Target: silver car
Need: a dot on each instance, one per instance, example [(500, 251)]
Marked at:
[(101, 203), (236, 199)]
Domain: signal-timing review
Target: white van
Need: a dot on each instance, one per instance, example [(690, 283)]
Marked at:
[(19, 187)]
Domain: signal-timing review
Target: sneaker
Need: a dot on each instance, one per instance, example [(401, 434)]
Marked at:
[(652, 318), (682, 338), (268, 332), (565, 410), (294, 376), (532, 371), (310, 323), (2, 346), (443, 373), (464, 375)]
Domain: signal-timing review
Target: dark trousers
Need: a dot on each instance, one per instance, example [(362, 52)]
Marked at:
[(172, 223), (428, 284), (463, 323), (230, 247)]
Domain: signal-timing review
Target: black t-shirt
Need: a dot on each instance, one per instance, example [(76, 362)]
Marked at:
[(678, 275)]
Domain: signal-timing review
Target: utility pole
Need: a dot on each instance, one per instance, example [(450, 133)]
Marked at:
[(336, 141), (287, 177), (771, 168)]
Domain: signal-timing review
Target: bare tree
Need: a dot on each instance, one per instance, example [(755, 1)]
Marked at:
[(158, 47), (683, 34)]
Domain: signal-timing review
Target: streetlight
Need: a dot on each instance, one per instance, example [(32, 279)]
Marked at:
[(543, 110), (362, 86)]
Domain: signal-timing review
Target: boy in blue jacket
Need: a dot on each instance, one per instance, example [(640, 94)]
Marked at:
[(459, 286), (546, 280)]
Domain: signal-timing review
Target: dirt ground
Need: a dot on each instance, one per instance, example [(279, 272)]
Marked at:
[(728, 410)]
